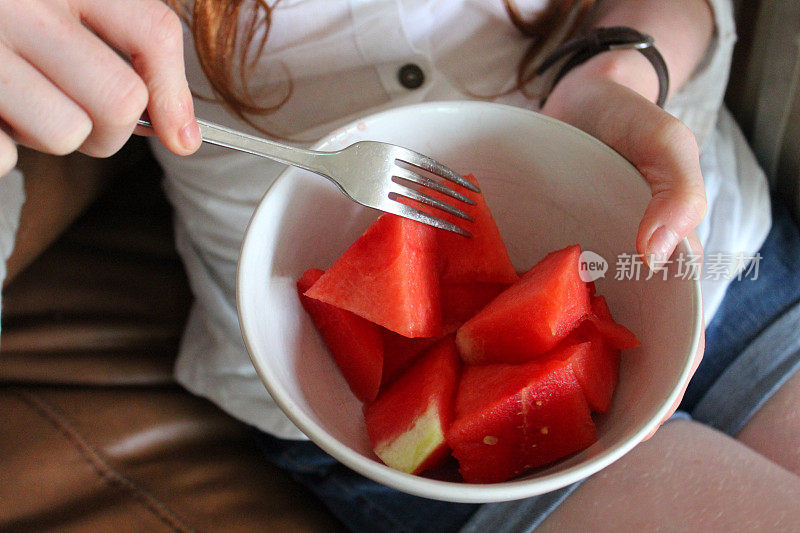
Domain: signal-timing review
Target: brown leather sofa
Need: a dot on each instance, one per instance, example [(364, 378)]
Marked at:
[(94, 433)]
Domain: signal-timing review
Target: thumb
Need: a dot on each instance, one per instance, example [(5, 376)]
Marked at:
[(671, 214), (670, 163)]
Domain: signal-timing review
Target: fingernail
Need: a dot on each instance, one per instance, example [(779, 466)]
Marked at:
[(662, 243), (190, 135)]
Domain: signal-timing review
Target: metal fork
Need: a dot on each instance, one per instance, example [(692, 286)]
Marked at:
[(367, 172)]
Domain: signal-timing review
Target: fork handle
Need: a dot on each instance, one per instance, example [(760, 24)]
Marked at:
[(289, 155)]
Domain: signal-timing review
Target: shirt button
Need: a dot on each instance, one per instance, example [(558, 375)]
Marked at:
[(411, 76)]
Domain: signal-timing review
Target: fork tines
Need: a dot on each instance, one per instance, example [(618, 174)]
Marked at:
[(398, 208), (403, 186), (403, 174), (416, 159)]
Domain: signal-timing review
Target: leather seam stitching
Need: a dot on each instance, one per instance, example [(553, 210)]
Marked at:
[(101, 467)]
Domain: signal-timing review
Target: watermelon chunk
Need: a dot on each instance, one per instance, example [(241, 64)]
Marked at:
[(388, 276), (596, 365), (510, 418), (618, 336), (460, 302), (482, 258), (407, 422), (530, 317), (355, 343), (399, 353)]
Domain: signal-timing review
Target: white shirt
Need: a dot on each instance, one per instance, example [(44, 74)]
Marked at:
[(342, 57), (12, 196)]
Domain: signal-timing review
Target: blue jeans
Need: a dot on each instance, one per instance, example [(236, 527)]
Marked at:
[(359, 503), (751, 308)]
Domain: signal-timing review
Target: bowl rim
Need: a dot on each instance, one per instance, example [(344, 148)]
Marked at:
[(460, 492)]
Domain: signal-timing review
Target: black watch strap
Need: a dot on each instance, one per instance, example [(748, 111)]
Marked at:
[(601, 40)]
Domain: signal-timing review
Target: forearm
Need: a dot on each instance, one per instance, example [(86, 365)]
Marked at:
[(682, 30)]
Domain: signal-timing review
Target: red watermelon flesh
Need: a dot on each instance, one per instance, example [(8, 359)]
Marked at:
[(408, 420), (600, 307), (591, 287), (481, 258), (460, 302), (388, 276), (510, 418), (596, 365), (530, 317), (618, 336), (399, 353), (355, 343)]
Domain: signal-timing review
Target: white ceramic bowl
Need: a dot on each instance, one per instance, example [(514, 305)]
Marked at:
[(548, 185)]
